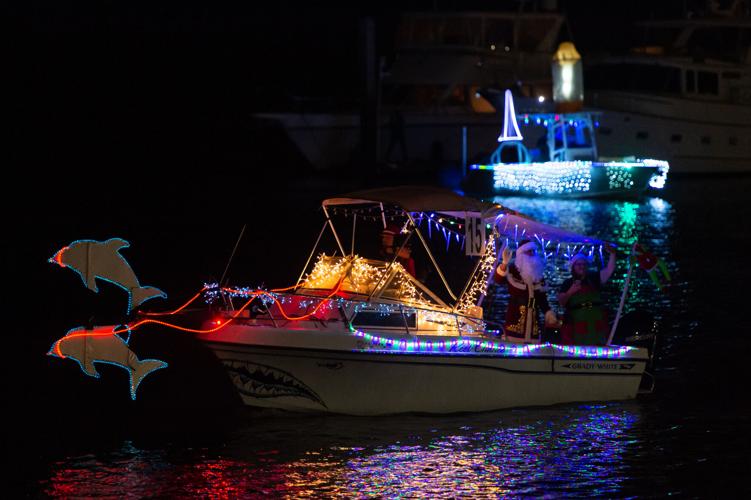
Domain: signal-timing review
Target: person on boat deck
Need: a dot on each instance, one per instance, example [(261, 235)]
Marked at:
[(527, 291), (585, 321), (391, 242)]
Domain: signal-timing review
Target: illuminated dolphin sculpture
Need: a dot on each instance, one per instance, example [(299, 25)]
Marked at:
[(101, 259), (103, 345)]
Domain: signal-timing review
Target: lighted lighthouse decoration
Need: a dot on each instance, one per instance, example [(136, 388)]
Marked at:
[(568, 81)]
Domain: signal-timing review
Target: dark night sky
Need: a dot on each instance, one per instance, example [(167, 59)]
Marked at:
[(150, 90)]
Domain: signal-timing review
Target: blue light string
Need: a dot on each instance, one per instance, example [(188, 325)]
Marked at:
[(463, 345)]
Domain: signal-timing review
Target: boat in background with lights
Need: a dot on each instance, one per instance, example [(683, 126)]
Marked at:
[(565, 160), (363, 336)]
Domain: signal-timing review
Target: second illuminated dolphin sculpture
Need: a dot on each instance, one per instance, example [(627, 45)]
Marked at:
[(102, 345)]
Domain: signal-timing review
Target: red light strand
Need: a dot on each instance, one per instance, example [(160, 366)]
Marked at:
[(193, 299), (254, 295)]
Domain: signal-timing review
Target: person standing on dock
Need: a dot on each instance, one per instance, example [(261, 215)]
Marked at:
[(527, 292), (585, 321)]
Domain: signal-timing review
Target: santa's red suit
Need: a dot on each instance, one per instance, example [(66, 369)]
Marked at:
[(527, 298)]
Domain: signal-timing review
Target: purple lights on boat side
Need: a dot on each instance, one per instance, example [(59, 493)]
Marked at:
[(464, 346)]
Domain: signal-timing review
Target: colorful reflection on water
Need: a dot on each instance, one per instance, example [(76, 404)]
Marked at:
[(618, 221), (532, 458), (564, 450)]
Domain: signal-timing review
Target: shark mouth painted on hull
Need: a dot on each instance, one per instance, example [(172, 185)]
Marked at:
[(263, 381)]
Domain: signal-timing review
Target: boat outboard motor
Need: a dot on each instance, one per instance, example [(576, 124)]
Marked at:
[(639, 329)]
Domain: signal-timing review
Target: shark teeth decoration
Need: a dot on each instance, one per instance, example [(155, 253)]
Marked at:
[(263, 381)]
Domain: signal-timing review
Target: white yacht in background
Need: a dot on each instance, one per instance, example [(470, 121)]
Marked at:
[(435, 87), (685, 95)]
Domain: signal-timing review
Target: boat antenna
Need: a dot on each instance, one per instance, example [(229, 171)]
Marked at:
[(224, 274)]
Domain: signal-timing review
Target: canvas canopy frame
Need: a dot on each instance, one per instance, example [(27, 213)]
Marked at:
[(416, 201)]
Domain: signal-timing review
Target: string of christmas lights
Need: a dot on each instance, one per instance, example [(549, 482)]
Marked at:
[(450, 228), (544, 178), (359, 276), (619, 177), (465, 345), (480, 279), (564, 177)]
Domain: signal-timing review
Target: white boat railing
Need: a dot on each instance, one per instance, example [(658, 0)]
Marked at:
[(448, 322)]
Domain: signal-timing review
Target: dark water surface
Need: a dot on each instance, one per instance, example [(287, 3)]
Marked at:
[(187, 435)]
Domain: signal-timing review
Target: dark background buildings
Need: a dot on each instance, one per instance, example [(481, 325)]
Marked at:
[(159, 96)]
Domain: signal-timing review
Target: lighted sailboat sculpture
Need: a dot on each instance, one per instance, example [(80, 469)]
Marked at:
[(566, 163), (364, 337)]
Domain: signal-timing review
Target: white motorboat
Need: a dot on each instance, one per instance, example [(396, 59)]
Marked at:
[(364, 337)]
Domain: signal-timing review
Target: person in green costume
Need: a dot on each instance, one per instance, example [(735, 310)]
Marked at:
[(585, 321)]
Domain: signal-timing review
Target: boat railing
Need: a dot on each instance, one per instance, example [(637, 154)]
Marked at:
[(384, 314)]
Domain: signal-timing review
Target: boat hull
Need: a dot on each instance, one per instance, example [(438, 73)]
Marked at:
[(378, 383)]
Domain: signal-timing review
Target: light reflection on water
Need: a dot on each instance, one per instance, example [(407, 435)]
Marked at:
[(618, 221), (574, 450)]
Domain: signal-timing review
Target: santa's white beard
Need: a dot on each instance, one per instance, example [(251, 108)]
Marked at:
[(530, 267)]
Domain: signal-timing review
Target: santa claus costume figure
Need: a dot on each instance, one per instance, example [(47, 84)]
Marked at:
[(527, 292)]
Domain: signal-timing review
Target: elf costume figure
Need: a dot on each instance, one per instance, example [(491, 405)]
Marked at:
[(585, 321)]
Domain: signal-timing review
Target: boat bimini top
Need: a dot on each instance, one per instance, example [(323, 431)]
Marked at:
[(416, 200), (443, 211)]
